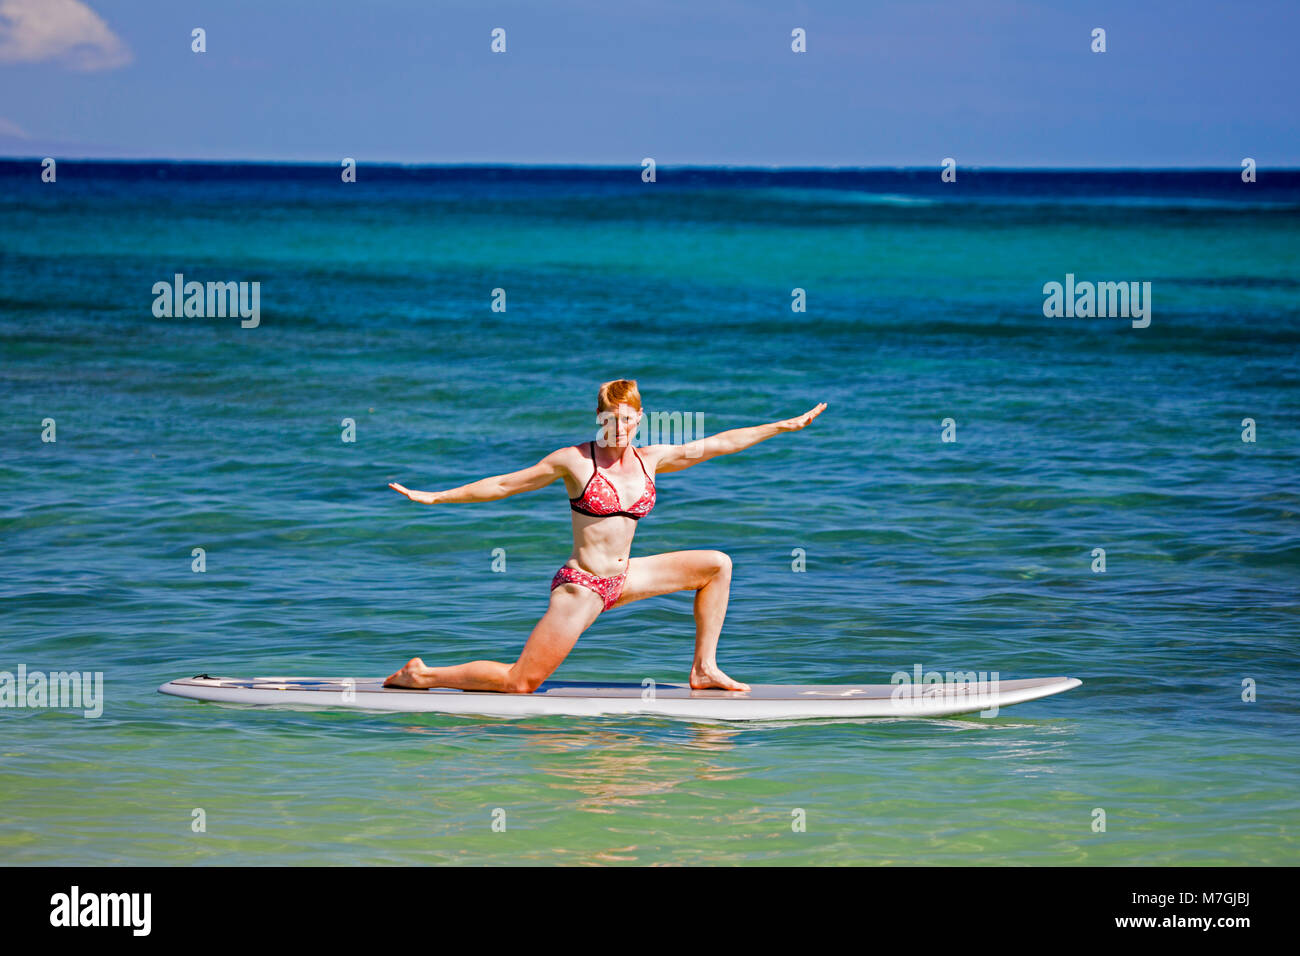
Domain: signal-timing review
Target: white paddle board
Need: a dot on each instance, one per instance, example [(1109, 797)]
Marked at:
[(591, 699)]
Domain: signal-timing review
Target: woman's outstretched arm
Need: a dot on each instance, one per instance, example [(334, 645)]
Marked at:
[(677, 457), (490, 489)]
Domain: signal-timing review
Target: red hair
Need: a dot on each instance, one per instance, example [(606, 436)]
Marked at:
[(621, 391)]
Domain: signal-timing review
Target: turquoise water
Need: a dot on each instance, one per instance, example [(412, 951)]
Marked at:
[(1072, 434)]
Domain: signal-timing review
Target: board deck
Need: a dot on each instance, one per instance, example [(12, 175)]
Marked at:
[(589, 699)]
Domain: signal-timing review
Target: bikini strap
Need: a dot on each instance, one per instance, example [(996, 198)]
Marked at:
[(643, 471), (594, 471)]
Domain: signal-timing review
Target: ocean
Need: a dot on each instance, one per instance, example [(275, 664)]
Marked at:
[(977, 463)]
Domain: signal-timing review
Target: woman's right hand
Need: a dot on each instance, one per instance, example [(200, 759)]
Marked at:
[(420, 497)]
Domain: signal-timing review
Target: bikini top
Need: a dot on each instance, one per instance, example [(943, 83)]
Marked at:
[(600, 499)]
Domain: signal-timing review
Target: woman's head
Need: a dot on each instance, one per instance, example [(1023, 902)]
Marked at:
[(618, 409)]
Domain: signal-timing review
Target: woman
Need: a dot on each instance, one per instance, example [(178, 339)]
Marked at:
[(599, 574)]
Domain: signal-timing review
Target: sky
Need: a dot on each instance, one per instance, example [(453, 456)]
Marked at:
[(1182, 83)]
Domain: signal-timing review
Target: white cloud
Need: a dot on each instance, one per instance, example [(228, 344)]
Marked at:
[(12, 130), (63, 31)]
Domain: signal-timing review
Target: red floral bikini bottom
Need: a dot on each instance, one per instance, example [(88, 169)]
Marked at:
[(609, 589)]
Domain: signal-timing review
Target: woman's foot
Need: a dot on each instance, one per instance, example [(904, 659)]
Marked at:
[(705, 677), (414, 674)]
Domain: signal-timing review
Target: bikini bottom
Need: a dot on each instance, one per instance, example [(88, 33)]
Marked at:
[(609, 589)]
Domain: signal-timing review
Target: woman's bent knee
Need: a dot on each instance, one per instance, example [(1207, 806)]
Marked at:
[(522, 686), (717, 565), (519, 683)]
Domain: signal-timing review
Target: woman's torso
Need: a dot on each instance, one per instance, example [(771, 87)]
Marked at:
[(602, 540)]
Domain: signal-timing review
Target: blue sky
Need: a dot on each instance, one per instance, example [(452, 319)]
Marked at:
[(993, 82)]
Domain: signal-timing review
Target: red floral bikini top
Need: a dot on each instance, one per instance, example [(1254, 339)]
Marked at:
[(600, 499)]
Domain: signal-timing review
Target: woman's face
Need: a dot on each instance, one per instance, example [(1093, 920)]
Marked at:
[(619, 427)]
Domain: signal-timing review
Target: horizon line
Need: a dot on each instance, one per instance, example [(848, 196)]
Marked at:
[(334, 164)]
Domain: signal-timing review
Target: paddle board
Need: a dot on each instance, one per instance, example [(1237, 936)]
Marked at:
[(591, 699)]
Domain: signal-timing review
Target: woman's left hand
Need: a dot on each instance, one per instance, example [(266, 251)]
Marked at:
[(794, 424)]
